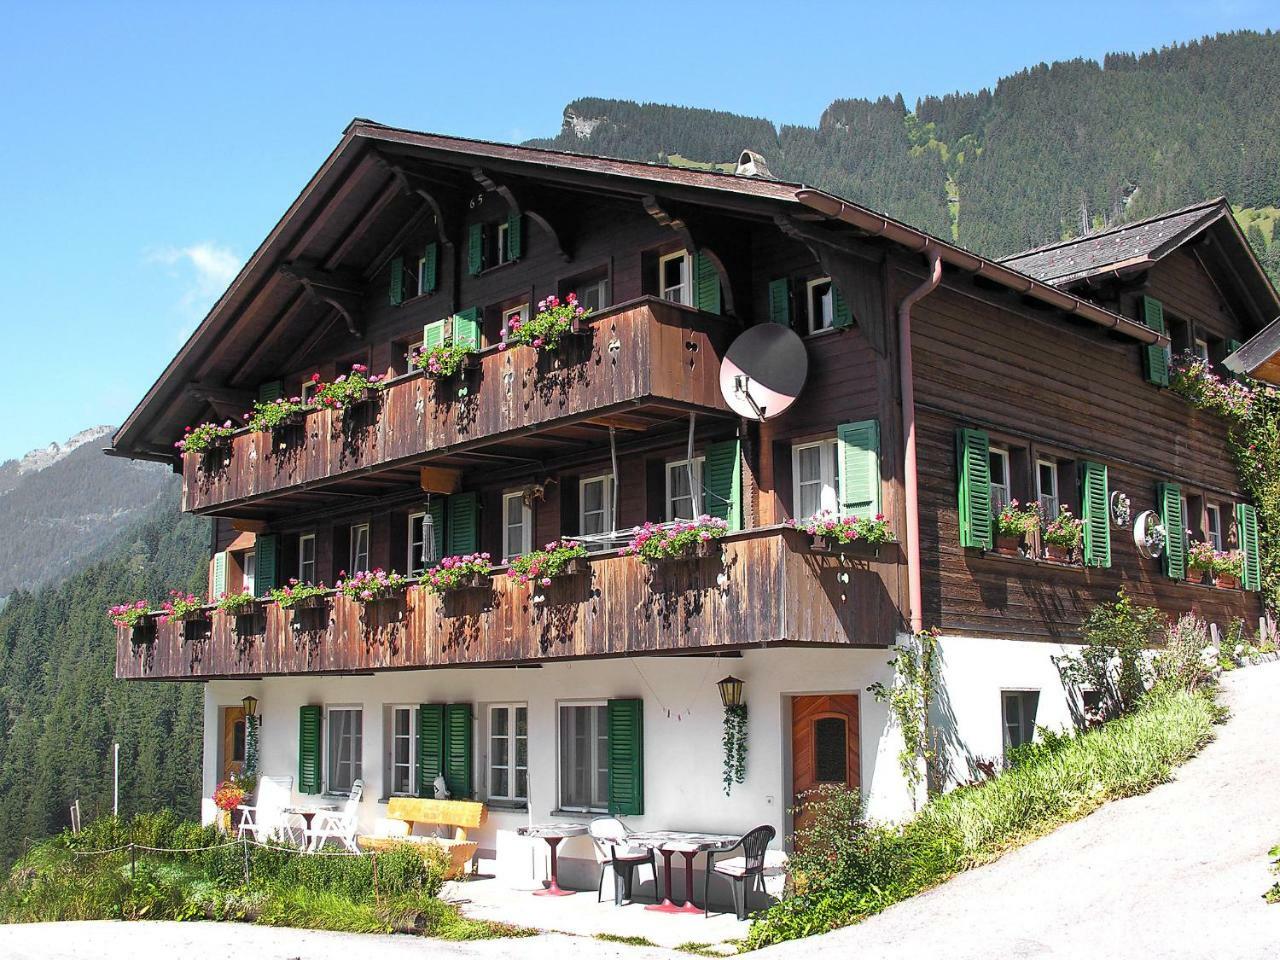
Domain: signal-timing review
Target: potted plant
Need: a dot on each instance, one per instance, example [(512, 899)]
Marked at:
[(1062, 536), (831, 531), (135, 617), (349, 390), (278, 414), (303, 596), (227, 797), (184, 607), (444, 361), (370, 586), (681, 540), (243, 604), (462, 572), (1228, 568), (1201, 561), (544, 330), (1015, 525), (559, 558), (206, 437)]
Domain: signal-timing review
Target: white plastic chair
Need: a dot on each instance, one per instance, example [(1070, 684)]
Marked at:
[(266, 819), (609, 837), (337, 825)]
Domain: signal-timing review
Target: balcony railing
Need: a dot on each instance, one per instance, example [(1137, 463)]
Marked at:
[(760, 587), (645, 354)]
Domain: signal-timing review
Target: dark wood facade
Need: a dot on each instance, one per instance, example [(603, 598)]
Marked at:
[(1011, 362)]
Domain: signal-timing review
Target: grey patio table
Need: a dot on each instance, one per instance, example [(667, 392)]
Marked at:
[(670, 842), (553, 833)]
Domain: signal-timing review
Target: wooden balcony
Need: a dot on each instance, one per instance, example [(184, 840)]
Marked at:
[(763, 587), (635, 365)]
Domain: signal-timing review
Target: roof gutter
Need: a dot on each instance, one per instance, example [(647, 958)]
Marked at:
[(913, 239)]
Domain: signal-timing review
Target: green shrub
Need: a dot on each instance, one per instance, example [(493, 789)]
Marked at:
[(881, 864)]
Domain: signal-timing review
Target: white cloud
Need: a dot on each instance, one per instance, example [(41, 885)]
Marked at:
[(206, 269)]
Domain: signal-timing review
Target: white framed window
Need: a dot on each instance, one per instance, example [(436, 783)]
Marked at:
[(416, 562), (308, 391), (595, 505), (1018, 708), (820, 297), (815, 478), (508, 777), (1201, 349), (517, 525), (680, 502), (307, 558), (422, 275), (675, 278), (594, 296), (1001, 483), (500, 253), (409, 352), (359, 548), (1047, 487), (520, 313), (401, 739), (249, 570), (1213, 525), (344, 743), (584, 756)]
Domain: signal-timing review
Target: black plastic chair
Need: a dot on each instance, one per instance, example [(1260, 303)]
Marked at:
[(753, 846)]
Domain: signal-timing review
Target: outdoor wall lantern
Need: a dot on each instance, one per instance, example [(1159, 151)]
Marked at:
[(250, 704), (730, 691)]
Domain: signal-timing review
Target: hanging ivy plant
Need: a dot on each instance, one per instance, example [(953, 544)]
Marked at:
[(735, 745), (908, 700)]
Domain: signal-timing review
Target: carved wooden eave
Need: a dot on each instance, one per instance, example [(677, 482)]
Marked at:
[(855, 275), (711, 238), (533, 204), (226, 401), (343, 292), (431, 194)]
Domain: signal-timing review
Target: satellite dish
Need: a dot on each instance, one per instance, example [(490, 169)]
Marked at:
[(764, 371)]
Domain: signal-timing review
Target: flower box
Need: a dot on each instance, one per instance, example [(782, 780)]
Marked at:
[(144, 631), (1009, 546), (700, 550), (854, 548), (310, 603), (1058, 553), (472, 581), (1228, 581)]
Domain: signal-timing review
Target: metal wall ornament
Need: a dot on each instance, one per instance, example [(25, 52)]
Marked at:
[(1149, 534), (1121, 509)]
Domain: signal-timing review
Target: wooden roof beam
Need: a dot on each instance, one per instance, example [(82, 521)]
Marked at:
[(411, 183), (708, 237), (527, 200), (343, 292)]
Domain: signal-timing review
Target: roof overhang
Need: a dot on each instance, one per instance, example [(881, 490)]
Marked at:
[(1260, 357)]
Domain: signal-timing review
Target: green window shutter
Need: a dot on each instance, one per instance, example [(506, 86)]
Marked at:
[(436, 509), (515, 236), (780, 301), (706, 284), (220, 573), (1247, 531), (464, 513), (475, 248), (309, 773), (1095, 511), (457, 749), (428, 275), (859, 467), (395, 292), (841, 316), (466, 328), (1155, 359), (430, 747), (433, 335), (722, 482), (1169, 496), (270, 391), (264, 574), (973, 452), (626, 757)]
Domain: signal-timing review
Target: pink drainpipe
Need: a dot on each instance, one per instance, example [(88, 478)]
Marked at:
[(915, 588)]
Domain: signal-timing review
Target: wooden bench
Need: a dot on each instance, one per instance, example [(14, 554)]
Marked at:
[(405, 813)]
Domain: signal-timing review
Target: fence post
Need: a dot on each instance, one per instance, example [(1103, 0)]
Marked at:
[(244, 845), (133, 860), (376, 898)]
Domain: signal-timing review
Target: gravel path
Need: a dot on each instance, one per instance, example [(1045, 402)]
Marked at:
[(1178, 872)]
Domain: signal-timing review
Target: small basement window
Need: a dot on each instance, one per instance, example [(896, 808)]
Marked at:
[(1019, 709)]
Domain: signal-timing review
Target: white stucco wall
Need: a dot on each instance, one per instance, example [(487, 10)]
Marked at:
[(683, 726)]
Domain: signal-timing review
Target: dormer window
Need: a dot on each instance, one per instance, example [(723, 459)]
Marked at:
[(675, 278)]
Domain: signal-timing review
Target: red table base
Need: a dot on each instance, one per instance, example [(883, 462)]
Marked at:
[(666, 906), (552, 888), (688, 906)]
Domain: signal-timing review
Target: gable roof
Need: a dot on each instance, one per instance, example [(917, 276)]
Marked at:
[(357, 178), (1260, 357)]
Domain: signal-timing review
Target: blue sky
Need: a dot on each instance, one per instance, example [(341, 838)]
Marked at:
[(148, 147)]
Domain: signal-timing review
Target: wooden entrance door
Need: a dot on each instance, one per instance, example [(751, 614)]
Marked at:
[(233, 742), (824, 745)]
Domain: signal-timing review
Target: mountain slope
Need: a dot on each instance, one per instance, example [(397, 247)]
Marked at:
[(1050, 152), (60, 503), (60, 706)]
